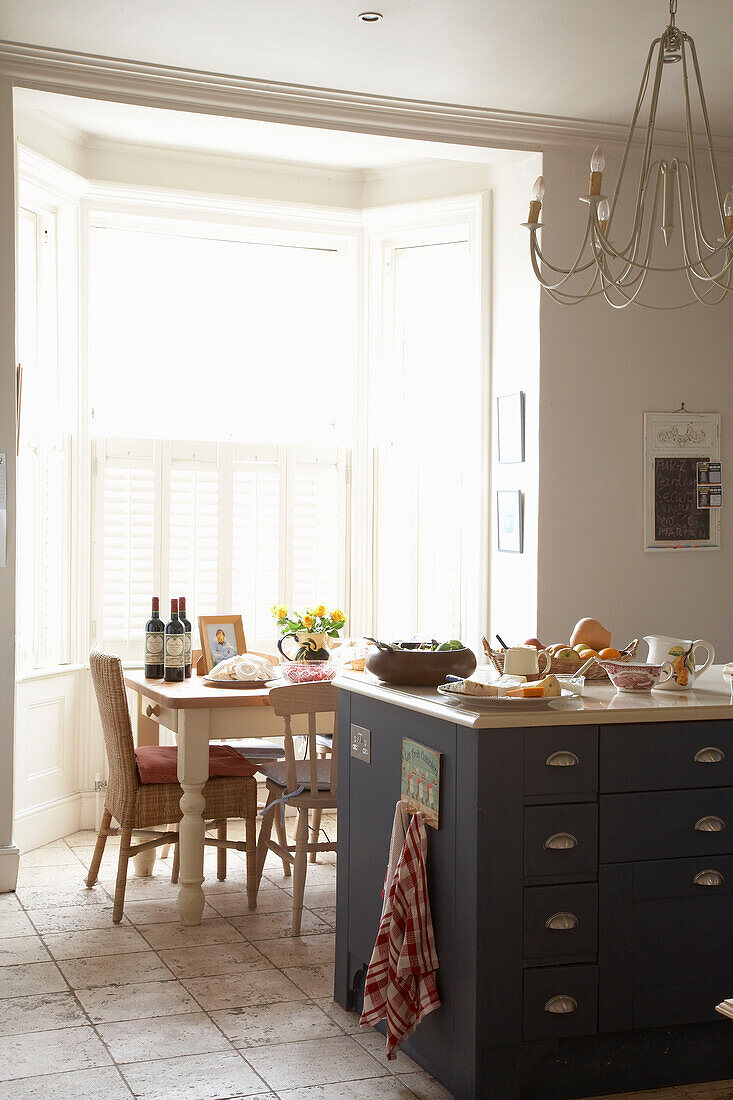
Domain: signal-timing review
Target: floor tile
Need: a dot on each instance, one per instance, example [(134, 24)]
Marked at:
[(219, 958), (116, 940), (9, 903), (175, 935), (200, 1077), (426, 1087), (70, 918), (316, 981), (299, 951), (84, 837), (327, 914), (238, 990), (317, 897), (15, 923), (136, 1001), (712, 1090), (137, 1041), (376, 1044), (313, 1062), (162, 911), (275, 1023), (269, 900), (650, 1094), (39, 1012), (51, 855), (50, 1052), (15, 950), (142, 966), (48, 897), (95, 1084), (319, 874), (21, 981), (347, 1021), (377, 1088), (152, 888), (266, 926), (65, 875)]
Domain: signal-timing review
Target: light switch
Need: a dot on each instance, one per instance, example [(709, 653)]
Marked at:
[(361, 743)]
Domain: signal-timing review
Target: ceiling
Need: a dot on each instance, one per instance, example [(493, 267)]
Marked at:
[(567, 58), (92, 120)]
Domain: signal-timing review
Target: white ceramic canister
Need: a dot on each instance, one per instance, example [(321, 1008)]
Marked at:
[(680, 652)]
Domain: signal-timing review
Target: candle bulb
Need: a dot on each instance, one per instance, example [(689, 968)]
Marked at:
[(728, 213), (597, 164), (604, 213), (535, 205)]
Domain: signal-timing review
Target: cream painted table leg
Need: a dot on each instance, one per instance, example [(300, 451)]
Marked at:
[(148, 733), (193, 771)]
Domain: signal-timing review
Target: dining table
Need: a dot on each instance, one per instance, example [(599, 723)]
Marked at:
[(195, 712)]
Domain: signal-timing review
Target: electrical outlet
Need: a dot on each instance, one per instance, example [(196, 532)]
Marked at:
[(100, 785), (361, 743)]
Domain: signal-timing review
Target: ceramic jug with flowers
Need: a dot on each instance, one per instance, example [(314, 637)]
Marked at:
[(312, 631)]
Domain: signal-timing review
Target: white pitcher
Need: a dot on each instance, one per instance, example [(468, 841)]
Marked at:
[(681, 655)]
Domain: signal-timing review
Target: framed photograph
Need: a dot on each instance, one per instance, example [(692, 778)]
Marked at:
[(510, 427), (509, 521), (677, 447), (221, 636)]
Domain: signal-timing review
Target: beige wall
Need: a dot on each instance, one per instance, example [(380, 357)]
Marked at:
[(601, 370)]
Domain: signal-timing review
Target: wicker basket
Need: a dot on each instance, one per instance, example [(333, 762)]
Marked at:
[(564, 666)]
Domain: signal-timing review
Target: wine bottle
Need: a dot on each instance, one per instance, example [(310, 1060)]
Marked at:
[(175, 647), (154, 643), (188, 649)]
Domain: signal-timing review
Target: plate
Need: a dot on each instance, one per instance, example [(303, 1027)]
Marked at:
[(237, 683), (505, 702)]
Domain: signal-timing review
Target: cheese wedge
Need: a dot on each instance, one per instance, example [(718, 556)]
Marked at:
[(528, 691), (552, 686), (473, 687)]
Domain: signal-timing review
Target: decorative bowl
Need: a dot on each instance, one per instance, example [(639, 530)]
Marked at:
[(636, 677), (419, 667), (308, 672)]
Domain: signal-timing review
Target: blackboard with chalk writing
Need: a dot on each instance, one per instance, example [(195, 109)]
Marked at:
[(676, 515)]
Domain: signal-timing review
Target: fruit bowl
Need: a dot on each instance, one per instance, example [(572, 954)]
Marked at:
[(564, 665)]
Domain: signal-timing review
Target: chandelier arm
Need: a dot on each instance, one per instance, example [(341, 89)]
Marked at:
[(535, 252), (630, 136), (713, 249), (607, 249), (695, 262), (621, 288), (691, 153), (706, 120)]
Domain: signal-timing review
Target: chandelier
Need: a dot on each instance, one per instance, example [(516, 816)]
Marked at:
[(666, 188)]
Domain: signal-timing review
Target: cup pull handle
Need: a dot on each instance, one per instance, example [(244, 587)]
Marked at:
[(709, 877), (562, 922), (561, 840), (563, 1002), (710, 824), (151, 710), (562, 759), (709, 755)]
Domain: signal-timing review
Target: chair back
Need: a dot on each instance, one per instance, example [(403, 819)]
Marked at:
[(310, 699), (123, 781)]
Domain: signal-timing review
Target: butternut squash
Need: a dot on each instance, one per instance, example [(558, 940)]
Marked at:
[(592, 633)]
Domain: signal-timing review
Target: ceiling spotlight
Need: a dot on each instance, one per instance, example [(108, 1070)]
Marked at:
[(371, 16)]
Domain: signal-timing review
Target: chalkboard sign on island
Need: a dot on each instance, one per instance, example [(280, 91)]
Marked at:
[(677, 517)]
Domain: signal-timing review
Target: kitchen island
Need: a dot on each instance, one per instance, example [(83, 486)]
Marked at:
[(581, 884)]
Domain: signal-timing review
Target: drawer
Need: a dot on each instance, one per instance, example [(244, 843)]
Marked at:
[(666, 824), (562, 761), (561, 841), (666, 756), (560, 921), (560, 1001)]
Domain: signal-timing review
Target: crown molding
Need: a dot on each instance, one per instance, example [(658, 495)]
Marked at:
[(73, 73)]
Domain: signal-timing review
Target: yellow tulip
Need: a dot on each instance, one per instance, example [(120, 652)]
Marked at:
[(307, 622), (280, 612), (338, 616), (320, 610)]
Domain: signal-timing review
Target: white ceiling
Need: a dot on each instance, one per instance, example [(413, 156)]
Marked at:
[(569, 58), (89, 120)]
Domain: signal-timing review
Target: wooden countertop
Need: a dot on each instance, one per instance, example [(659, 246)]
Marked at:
[(712, 698), (195, 693)]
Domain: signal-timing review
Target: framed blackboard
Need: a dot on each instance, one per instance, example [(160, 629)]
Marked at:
[(674, 443)]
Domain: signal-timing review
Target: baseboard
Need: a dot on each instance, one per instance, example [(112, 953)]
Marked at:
[(92, 804), (51, 821), (9, 858)]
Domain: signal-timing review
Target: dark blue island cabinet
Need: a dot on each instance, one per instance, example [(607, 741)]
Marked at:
[(581, 887)]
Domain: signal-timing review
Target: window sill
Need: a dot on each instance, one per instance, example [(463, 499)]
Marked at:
[(47, 673)]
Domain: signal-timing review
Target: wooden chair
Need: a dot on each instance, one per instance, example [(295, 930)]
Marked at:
[(145, 808), (314, 779)]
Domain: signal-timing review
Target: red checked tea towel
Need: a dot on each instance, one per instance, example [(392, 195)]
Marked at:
[(400, 982)]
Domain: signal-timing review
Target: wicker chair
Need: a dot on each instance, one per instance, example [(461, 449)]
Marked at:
[(145, 808), (309, 784)]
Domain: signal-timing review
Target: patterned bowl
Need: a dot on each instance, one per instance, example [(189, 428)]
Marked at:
[(308, 672), (636, 677)]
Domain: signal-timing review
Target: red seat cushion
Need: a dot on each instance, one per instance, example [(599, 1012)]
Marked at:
[(159, 763)]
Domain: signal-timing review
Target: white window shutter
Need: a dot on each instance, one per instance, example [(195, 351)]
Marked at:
[(54, 571), (317, 525), (396, 544), (256, 513), (128, 510), (194, 534)]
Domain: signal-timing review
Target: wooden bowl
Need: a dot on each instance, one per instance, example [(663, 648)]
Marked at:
[(419, 667)]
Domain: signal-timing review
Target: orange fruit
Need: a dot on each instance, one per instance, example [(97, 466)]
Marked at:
[(585, 654), (609, 654)]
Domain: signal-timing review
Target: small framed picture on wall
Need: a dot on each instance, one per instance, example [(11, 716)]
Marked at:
[(510, 427), (510, 521)]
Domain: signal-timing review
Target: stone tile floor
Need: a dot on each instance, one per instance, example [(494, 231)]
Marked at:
[(234, 1008)]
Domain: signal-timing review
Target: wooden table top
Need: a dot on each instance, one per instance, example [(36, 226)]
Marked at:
[(195, 693)]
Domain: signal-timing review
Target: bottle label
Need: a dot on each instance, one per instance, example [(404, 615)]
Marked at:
[(174, 650), (188, 647), (153, 647)]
